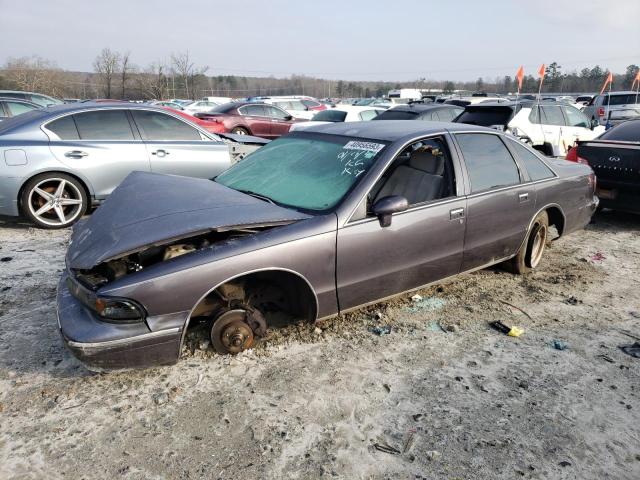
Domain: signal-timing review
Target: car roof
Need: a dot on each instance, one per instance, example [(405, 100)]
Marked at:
[(392, 130), (16, 100), (421, 107)]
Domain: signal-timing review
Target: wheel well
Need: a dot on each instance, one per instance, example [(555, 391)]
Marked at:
[(243, 127), (556, 218), (270, 291), (80, 181)]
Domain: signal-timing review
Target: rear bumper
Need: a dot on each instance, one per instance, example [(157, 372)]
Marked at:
[(9, 189), (105, 345)]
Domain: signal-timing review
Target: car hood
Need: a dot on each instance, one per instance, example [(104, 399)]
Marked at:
[(151, 209)]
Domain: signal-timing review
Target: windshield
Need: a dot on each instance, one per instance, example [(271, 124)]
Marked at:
[(311, 172), (330, 116)]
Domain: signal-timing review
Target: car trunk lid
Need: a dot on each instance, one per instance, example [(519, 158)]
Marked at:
[(611, 160), (149, 209)]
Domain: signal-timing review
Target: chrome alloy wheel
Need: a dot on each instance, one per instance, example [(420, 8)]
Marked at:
[(55, 202)]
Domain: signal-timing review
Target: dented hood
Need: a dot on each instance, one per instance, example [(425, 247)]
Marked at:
[(152, 209)]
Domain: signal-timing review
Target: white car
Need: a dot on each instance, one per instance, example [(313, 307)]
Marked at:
[(200, 106), (218, 100), (293, 106), (551, 128), (339, 114)]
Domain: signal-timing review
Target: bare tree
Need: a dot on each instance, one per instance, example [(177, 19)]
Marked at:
[(153, 81), (125, 69), (182, 64), (106, 65), (34, 74)]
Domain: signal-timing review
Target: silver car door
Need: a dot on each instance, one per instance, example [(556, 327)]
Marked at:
[(100, 145), (178, 148)]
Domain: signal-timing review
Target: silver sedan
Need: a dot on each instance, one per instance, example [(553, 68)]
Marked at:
[(58, 162)]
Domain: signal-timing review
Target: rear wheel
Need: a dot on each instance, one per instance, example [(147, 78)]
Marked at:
[(54, 200), (240, 131), (530, 253)]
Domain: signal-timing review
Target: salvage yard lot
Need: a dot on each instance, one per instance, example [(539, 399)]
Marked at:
[(441, 396)]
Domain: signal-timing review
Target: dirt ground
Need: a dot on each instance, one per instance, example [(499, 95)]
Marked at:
[(442, 396)]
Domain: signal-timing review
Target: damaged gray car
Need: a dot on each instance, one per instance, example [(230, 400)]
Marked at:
[(311, 225)]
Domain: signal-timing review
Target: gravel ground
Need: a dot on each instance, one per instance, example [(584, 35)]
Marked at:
[(441, 396)]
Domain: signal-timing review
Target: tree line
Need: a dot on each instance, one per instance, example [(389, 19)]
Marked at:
[(116, 76)]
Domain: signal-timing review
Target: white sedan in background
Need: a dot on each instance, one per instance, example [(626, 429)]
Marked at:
[(200, 106), (343, 113)]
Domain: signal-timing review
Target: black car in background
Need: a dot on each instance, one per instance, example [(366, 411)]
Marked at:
[(615, 158), (419, 111)]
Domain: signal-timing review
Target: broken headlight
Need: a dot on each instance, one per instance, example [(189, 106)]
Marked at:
[(119, 309)]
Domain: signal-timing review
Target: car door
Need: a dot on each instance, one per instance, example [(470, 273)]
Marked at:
[(177, 148), (281, 121), (554, 128), (499, 205), (422, 245), (256, 119), (100, 145)]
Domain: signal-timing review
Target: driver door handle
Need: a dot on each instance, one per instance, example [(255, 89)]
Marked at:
[(76, 154), (456, 213), (160, 153)]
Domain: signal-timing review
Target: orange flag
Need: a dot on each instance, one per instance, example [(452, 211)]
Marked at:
[(541, 71), (520, 76), (637, 79), (608, 81)]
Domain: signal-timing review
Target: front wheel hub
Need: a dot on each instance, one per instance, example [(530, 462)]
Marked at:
[(230, 333)]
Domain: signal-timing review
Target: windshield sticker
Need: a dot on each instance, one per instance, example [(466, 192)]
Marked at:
[(366, 146), (353, 162)]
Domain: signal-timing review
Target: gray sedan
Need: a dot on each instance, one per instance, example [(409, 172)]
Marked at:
[(55, 163), (311, 225)]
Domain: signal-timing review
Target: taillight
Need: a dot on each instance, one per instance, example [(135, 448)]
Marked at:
[(601, 112), (572, 156)]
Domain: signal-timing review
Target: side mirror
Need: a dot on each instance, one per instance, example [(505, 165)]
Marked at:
[(387, 206), (288, 118)]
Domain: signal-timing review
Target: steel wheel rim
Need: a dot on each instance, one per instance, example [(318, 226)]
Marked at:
[(537, 248), (55, 202)]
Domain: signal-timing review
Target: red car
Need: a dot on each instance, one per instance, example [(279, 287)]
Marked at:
[(209, 126), (247, 118)]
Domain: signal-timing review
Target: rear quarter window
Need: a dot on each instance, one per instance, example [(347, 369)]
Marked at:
[(536, 168), (64, 127)]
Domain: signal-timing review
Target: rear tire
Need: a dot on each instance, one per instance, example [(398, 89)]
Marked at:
[(240, 131), (530, 253), (53, 200)]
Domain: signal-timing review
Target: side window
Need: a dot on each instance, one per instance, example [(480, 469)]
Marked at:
[(427, 116), (159, 126), (535, 167), (553, 115), (254, 111), (17, 108), (534, 116), (367, 115), (296, 105), (276, 113), (310, 103), (489, 163), (421, 173), (575, 118), (64, 127), (103, 125)]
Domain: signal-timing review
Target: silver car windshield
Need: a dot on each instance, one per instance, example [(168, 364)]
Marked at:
[(311, 173)]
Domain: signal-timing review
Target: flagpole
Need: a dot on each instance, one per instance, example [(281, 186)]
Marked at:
[(607, 125)]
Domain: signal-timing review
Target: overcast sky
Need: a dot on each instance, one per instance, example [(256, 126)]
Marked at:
[(349, 39)]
